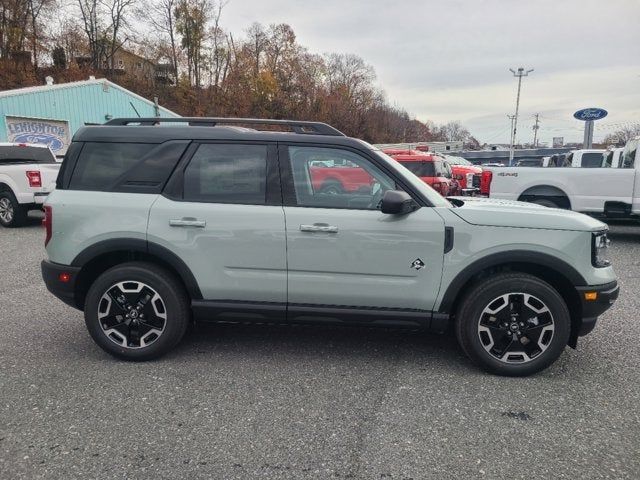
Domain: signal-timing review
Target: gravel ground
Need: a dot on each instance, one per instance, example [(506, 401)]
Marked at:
[(307, 402)]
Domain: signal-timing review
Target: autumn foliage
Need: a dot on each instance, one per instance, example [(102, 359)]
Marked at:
[(265, 74)]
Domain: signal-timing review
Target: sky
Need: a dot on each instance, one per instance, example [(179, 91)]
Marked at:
[(449, 59)]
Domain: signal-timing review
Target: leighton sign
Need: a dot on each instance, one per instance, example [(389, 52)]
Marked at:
[(587, 114), (54, 133)]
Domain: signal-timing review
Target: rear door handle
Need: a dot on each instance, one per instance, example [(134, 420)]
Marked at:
[(187, 222), (319, 227)]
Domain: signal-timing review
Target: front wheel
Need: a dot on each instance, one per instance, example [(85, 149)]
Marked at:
[(513, 324), (136, 311)]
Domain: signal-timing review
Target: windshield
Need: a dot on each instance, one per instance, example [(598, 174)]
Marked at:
[(429, 193)]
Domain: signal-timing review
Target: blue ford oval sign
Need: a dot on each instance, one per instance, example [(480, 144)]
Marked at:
[(54, 143), (587, 114)]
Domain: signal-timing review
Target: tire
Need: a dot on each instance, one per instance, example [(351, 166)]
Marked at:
[(529, 347), (332, 187), (12, 214), (545, 202), (154, 329)]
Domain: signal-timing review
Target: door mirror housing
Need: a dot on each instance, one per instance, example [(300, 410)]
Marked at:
[(397, 202)]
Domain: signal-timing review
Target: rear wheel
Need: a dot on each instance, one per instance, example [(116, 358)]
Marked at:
[(12, 214), (546, 202), (136, 311), (513, 324)]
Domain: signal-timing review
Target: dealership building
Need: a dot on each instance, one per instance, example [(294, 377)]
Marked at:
[(52, 113)]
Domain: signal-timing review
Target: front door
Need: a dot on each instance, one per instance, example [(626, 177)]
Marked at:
[(342, 251)]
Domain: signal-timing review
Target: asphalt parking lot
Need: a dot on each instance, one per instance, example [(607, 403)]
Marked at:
[(307, 402)]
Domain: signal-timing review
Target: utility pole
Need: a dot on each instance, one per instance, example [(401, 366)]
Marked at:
[(511, 119), (535, 130), (520, 73)]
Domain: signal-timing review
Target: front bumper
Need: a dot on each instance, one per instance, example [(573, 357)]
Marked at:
[(62, 286), (601, 298)]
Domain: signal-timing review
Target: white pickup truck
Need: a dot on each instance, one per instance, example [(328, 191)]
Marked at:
[(28, 174), (614, 192)]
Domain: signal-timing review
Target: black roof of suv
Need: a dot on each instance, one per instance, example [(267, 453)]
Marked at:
[(152, 130)]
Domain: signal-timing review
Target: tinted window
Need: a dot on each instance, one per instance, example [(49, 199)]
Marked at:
[(15, 154), (101, 164), (591, 160), (220, 173), (336, 178), (420, 169)]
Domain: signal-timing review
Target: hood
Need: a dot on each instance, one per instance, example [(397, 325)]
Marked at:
[(466, 168), (508, 213)]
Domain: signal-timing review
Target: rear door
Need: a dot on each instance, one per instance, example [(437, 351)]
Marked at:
[(221, 213), (344, 254)]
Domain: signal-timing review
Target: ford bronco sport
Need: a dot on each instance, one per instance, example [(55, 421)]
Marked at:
[(155, 222)]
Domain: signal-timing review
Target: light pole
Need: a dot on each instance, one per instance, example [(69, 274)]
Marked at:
[(520, 73)]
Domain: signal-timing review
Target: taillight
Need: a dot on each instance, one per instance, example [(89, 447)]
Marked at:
[(34, 178), (487, 176), (47, 223)]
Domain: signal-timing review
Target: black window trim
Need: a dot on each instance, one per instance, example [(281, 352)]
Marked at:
[(174, 188), (289, 198)]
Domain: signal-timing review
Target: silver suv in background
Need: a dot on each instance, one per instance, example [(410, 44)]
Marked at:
[(155, 223)]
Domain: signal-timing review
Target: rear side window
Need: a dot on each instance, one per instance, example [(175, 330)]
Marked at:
[(591, 160), (220, 173), (101, 164), (420, 169), (121, 167)]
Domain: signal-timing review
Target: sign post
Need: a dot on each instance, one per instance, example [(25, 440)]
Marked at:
[(588, 116)]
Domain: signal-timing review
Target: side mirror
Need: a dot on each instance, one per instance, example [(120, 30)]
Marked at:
[(397, 202)]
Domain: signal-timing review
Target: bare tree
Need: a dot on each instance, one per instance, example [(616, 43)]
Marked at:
[(91, 27), (163, 19), (116, 11)]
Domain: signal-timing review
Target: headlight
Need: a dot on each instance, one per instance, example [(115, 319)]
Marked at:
[(599, 250), (469, 180)]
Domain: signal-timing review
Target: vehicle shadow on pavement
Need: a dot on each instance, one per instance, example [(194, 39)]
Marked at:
[(310, 341)]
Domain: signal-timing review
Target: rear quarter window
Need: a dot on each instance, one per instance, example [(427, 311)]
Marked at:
[(125, 167)]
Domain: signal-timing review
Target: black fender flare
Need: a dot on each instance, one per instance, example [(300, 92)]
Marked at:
[(504, 258), (145, 247)]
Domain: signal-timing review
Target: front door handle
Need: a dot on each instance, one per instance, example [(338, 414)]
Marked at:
[(319, 227), (187, 222)]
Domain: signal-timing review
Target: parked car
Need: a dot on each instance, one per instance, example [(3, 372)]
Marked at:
[(465, 172), (27, 174), (583, 185), (339, 176), (153, 226), (431, 169)]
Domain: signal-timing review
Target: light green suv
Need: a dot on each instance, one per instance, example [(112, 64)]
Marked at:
[(158, 222)]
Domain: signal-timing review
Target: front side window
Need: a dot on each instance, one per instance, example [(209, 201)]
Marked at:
[(420, 169), (336, 178), (220, 173)]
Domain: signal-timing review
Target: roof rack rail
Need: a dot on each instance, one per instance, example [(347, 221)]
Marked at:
[(301, 127)]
